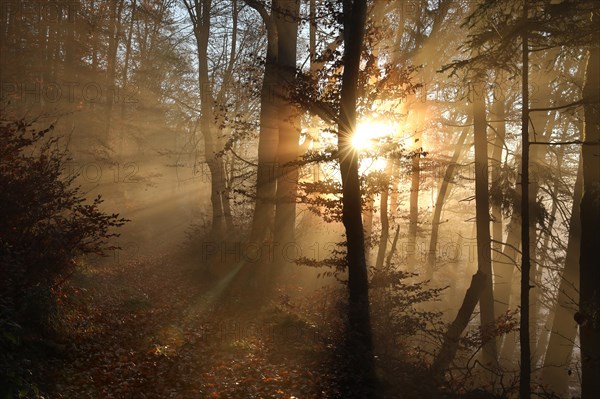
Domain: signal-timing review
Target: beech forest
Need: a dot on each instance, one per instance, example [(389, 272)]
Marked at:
[(300, 199)]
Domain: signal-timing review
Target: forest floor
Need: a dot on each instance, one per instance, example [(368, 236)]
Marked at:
[(153, 328)]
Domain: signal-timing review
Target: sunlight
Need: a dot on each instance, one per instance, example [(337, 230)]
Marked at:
[(371, 165), (368, 132)]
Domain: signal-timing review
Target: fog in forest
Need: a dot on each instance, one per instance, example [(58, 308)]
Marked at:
[(299, 199)]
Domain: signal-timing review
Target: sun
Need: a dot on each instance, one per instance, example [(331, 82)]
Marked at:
[(367, 134)]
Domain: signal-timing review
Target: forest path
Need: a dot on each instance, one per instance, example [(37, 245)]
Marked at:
[(146, 329)]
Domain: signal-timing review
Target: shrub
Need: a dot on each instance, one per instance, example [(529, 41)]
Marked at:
[(45, 222)]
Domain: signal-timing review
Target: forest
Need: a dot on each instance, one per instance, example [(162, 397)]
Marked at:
[(297, 199)]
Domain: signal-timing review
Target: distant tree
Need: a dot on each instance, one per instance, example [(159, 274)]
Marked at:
[(212, 107)]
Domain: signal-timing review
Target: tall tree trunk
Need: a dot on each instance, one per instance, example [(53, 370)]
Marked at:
[(413, 220), (263, 218), (115, 11), (545, 319), (383, 216), (544, 334), (221, 106), (220, 121), (509, 343), (125, 77), (525, 366), (451, 339), (496, 165), (200, 15), (367, 219), (542, 124), (358, 286), (286, 17), (505, 264), (480, 289), (441, 200), (394, 188), (564, 327), (482, 211), (589, 305)]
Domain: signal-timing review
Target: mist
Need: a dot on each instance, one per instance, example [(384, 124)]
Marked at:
[(299, 199)]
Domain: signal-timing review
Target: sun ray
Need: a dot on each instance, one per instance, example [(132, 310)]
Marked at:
[(368, 133)]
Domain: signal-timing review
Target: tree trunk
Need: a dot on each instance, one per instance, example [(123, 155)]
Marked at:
[(450, 345), (496, 164), (200, 16), (543, 337), (394, 189), (482, 211), (564, 329), (441, 199), (413, 220), (525, 366), (589, 305), (358, 287), (263, 218), (286, 17), (383, 215), (367, 219), (111, 65), (480, 289), (220, 106), (126, 63), (505, 264), (541, 125)]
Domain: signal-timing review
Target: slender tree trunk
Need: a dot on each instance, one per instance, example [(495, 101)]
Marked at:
[(413, 220), (126, 63), (525, 367), (367, 218), (480, 289), (220, 122), (358, 287), (505, 264), (42, 53), (394, 189), (226, 200), (263, 218), (564, 328), (385, 223), (388, 261), (200, 15), (111, 67), (482, 210), (451, 339), (504, 294), (542, 342), (222, 192), (441, 199), (496, 164), (543, 261), (541, 124)]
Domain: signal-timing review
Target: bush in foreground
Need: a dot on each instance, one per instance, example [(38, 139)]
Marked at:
[(45, 223)]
